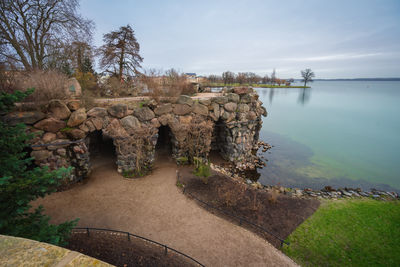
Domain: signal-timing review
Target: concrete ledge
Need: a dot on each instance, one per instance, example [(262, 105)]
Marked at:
[(16, 251)]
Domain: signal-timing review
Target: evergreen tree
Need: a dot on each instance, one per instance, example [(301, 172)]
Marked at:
[(19, 185), (87, 65)]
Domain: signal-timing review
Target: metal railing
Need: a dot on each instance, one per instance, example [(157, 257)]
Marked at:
[(241, 220), (130, 235)]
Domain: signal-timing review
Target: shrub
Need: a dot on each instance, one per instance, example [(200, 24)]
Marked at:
[(48, 85), (182, 160), (114, 87), (20, 185), (203, 171), (8, 81), (86, 79), (273, 196), (171, 83)]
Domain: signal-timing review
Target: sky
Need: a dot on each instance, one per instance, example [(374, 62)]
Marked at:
[(336, 39)]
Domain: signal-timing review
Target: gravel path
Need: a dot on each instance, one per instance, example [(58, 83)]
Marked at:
[(154, 207)]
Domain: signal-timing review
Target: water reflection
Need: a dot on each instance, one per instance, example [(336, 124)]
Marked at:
[(304, 96), (271, 95)]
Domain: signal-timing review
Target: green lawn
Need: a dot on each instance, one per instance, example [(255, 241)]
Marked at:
[(349, 233)]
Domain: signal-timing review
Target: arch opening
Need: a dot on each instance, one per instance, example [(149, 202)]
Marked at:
[(164, 142), (219, 144), (101, 148)]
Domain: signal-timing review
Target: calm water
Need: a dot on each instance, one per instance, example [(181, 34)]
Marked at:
[(336, 133)]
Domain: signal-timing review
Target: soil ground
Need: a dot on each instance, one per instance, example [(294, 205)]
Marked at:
[(154, 207), (117, 250), (277, 213)]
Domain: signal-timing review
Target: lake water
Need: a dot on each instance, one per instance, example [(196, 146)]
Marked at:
[(335, 133)]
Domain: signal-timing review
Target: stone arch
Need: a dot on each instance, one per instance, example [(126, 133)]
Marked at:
[(165, 139), (99, 143), (134, 129), (221, 138)]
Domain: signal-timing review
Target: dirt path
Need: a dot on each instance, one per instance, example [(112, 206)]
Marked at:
[(153, 207)]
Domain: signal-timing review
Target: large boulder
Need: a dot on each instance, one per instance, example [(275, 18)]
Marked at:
[(77, 117), (118, 110), (89, 125), (97, 122), (228, 116), (76, 134), (184, 99), (74, 105), (232, 97), (163, 109), (245, 98), (182, 109), (50, 125), (48, 137), (97, 112), (220, 100), (243, 108), (216, 112), (130, 123), (242, 90), (231, 106), (200, 109), (205, 102), (144, 114), (164, 119), (40, 155), (73, 88), (115, 130), (251, 116), (27, 117), (58, 109)]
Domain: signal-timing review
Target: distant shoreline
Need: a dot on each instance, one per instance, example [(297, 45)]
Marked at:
[(361, 79), (254, 85)]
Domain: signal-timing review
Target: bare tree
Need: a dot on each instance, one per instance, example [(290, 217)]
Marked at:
[(120, 53), (253, 78), (32, 31), (241, 77), (265, 79), (307, 75), (214, 78), (228, 77)]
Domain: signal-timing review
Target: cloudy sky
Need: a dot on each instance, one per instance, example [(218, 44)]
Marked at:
[(337, 39)]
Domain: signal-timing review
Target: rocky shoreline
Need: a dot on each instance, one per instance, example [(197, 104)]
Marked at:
[(326, 193)]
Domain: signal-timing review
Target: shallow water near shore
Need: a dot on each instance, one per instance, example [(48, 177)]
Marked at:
[(336, 133)]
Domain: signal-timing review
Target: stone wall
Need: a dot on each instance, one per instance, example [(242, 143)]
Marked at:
[(231, 119)]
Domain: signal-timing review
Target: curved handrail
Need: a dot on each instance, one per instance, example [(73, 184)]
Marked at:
[(166, 248)]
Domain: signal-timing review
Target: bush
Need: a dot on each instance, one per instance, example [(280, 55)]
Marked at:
[(203, 171), (48, 85), (86, 79), (20, 184), (168, 84), (114, 87)]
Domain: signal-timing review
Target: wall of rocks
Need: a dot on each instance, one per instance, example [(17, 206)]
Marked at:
[(229, 122)]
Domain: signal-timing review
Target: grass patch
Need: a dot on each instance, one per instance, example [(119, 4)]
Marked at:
[(348, 233), (203, 171), (66, 129)]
